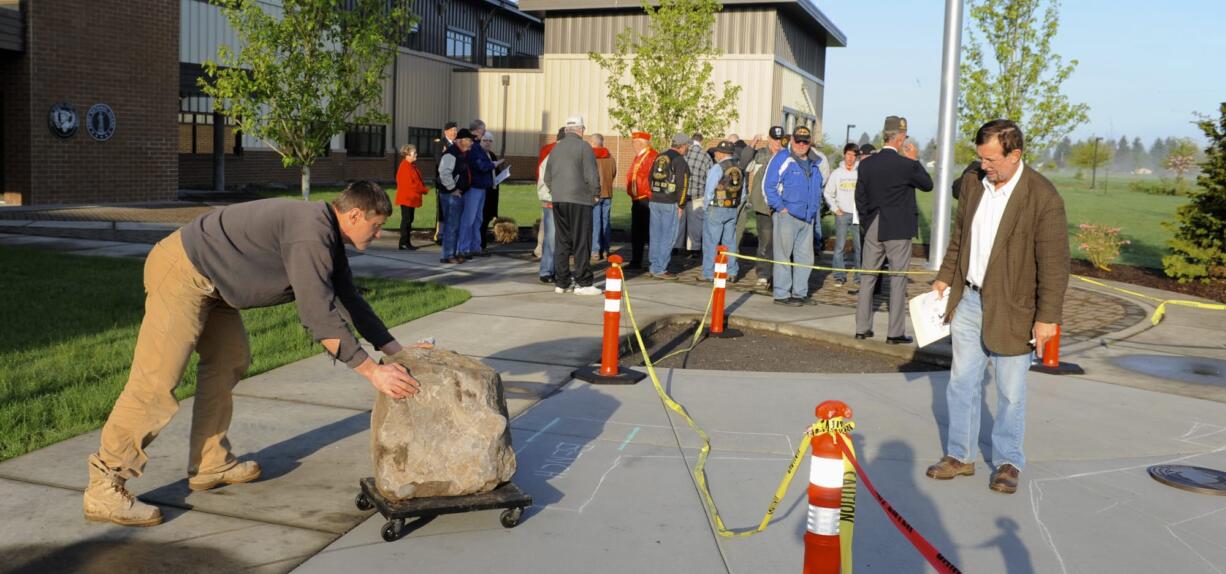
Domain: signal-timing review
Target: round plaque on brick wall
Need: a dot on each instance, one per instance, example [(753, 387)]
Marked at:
[(63, 120), (100, 122)]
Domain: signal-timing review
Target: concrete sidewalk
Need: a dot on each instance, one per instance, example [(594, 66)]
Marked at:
[(609, 467)]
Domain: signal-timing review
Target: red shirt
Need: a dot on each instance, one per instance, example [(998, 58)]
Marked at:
[(409, 187), (637, 184)]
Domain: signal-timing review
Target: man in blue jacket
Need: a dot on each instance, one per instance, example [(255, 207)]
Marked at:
[(471, 224), (793, 186)]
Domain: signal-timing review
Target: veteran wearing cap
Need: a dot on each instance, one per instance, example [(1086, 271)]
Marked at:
[(638, 187), (885, 201), (670, 178), (793, 186), (724, 194)]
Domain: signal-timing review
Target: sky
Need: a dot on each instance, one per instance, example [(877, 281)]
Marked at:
[(1144, 67)]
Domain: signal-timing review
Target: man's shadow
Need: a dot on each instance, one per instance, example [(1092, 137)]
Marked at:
[(893, 471), (1012, 550)]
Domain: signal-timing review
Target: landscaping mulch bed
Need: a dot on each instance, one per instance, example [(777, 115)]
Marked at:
[(765, 351), (1153, 278)]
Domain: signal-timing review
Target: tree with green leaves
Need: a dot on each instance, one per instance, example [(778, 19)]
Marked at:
[(1138, 153), (1022, 82), (660, 81), (306, 72), (1181, 159), (1198, 247), (1088, 155)]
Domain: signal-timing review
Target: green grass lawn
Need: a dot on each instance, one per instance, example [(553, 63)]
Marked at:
[(70, 325), (1137, 214)]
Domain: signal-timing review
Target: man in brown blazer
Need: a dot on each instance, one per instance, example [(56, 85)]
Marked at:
[(1006, 272)]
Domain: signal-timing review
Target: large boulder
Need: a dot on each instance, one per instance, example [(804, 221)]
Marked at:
[(451, 438)]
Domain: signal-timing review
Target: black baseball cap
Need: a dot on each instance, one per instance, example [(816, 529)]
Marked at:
[(725, 147), (776, 133), (464, 134), (867, 149), (448, 126), (801, 134)]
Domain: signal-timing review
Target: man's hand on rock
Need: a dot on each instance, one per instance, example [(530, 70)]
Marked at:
[(393, 380)]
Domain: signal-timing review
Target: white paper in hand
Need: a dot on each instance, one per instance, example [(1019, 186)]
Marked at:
[(928, 318), (502, 175)]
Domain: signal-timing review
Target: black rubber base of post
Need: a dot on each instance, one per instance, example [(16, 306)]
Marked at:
[(592, 375), (1063, 369), (727, 334)]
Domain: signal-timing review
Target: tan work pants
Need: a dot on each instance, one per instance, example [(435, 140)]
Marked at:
[(182, 313)]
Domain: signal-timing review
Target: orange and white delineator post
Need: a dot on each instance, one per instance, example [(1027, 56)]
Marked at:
[(608, 373), (718, 329), (1051, 359), (822, 548)]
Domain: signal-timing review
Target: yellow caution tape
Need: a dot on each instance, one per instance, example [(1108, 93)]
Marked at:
[(700, 477), (820, 268), (1162, 303)]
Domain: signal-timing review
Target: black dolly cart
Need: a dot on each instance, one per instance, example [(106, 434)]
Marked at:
[(506, 496)]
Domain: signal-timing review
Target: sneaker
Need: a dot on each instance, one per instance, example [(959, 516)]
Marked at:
[(546, 278), (760, 283), (589, 290), (790, 302), (561, 289), (107, 500), (246, 471), (839, 282), (666, 276), (806, 301)]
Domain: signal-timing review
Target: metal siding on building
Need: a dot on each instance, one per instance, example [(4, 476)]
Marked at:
[(480, 94), (737, 31), (423, 92), (575, 85), (203, 28), (799, 47)]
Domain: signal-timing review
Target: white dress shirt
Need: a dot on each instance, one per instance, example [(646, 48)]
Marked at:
[(987, 220)]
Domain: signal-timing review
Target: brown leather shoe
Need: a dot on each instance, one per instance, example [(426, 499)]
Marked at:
[(1005, 479), (949, 467)]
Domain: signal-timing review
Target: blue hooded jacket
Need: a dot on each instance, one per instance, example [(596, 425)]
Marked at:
[(788, 186)]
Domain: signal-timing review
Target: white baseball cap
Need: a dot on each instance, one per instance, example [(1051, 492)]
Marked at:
[(574, 121)]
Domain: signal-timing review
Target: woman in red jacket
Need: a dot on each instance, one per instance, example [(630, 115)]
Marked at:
[(409, 189)]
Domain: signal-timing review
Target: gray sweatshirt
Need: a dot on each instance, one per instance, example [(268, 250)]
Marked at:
[(571, 174), (272, 251)]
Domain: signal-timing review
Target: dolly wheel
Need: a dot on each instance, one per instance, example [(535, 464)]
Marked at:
[(393, 529), (362, 502), (510, 517)]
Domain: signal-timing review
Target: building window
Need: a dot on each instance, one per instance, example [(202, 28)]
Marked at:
[(196, 128), (497, 54), (460, 45), (427, 142), (363, 140)]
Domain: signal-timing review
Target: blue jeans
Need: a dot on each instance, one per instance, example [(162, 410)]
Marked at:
[(663, 234), (470, 221), (844, 229), (719, 229), (602, 227), (793, 242), (965, 390), (546, 242), (453, 207)]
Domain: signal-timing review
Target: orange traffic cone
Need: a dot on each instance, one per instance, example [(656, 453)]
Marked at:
[(608, 373), (1051, 359)]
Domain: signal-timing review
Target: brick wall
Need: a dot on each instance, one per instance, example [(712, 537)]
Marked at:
[(123, 53)]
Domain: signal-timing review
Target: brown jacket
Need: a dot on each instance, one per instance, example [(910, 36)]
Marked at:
[(1028, 268), (607, 166)]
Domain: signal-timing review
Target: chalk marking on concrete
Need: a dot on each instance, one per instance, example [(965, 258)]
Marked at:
[(1109, 507), (543, 429), (629, 438), (1036, 496)]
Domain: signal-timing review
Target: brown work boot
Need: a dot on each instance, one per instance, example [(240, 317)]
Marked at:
[(106, 499), (239, 473), (1005, 479), (949, 467)]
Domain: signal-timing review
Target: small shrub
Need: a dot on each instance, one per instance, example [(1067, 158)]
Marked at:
[(1100, 243), (1160, 187)]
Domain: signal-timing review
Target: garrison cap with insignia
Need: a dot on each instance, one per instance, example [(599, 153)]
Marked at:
[(895, 123)]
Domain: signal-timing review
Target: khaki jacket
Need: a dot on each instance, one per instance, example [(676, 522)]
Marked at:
[(607, 167), (1028, 269)]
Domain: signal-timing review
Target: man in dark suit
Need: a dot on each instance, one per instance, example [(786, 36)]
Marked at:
[(885, 200), (1006, 271)]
